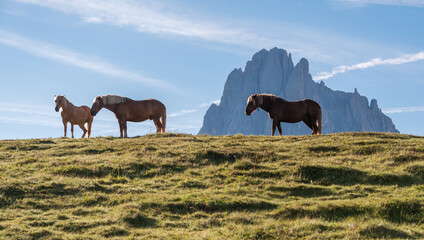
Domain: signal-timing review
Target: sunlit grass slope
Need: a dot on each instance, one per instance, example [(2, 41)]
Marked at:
[(172, 186)]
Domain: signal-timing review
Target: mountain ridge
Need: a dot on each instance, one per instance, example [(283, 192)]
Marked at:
[(274, 72)]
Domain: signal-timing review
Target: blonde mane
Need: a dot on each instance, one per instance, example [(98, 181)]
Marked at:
[(58, 96), (113, 99), (271, 97)]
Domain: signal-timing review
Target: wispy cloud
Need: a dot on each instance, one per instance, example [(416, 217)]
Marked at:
[(409, 3), (28, 109), (186, 111), (226, 33), (75, 59), (31, 121), (404, 110), (155, 18), (31, 114), (372, 63)]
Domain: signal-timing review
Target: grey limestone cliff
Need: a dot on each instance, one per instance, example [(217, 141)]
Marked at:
[(273, 72)]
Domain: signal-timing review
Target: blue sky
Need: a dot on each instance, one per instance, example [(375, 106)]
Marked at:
[(181, 52)]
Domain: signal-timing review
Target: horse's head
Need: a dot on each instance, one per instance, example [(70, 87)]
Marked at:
[(97, 105), (60, 101), (252, 103)]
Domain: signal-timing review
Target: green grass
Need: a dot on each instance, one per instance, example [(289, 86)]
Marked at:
[(176, 186)]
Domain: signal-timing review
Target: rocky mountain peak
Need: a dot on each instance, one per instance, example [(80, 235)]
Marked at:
[(273, 72)]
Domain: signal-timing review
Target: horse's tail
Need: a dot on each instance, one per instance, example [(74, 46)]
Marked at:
[(319, 122), (163, 122), (89, 120), (89, 123)]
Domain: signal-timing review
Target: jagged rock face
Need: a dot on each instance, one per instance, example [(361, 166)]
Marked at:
[(273, 72)]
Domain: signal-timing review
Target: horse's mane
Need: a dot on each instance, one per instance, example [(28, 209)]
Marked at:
[(63, 96), (57, 96), (269, 97), (113, 99)]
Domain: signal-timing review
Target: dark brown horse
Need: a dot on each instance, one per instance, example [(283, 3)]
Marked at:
[(126, 109), (74, 115), (280, 110)]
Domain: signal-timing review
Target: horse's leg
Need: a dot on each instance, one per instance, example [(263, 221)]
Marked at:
[(310, 125), (279, 128), (124, 126), (315, 127), (315, 123), (157, 124), (89, 122), (83, 129), (65, 125), (274, 125), (121, 129), (163, 123), (72, 130)]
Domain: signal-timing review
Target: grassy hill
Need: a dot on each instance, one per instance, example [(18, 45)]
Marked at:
[(350, 185)]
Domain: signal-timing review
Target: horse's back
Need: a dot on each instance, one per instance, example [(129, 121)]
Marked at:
[(312, 103), (87, 110), (148, 108), (313, 107)]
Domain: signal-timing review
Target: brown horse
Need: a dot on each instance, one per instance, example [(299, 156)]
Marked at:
[(74, 115), (280, 110), (126, 109)]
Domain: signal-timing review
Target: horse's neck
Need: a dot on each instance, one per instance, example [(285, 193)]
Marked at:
[(68, 106), (266, 104), (111, 107)]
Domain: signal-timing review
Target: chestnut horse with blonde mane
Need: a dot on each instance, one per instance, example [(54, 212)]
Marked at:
[(126, 109), (280, 110), (74, 115)]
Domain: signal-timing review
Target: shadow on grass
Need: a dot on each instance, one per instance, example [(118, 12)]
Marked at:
[(402, 211), (216, 158), (93, 151), (395, 211), (98, 188), (43, 234), (218, 206), (114, 232), (56, 189), (368, 150), (324, 149), (28, 147), (405, 159), (261, 173), (303, 191), (132, 170), (100, 171), (329, 213), (349, 176), (379, 231), (9, 194), (213, 157), (78, 226), (416, 171), (138, 220)]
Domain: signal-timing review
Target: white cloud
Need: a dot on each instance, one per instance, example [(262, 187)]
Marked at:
[(404, 110), (31, 121), (28, 109), (151, 17), (372, 63), (93, 20), (167, 19), (409, 3), (200, 106), (39, 115), (75, 59), (182, 112)]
